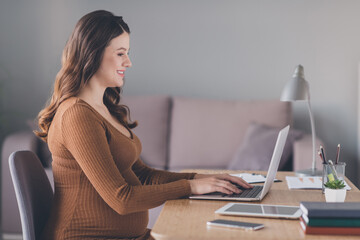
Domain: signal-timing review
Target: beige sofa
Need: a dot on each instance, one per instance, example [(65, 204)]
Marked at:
[(176, 133)]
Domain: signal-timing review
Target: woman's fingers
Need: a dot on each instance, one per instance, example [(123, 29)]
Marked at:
[(208, 185), (224, 183), (227, 187), (237, 180), (224, 190)]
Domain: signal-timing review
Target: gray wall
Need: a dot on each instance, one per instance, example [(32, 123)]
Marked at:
[(204, 48)]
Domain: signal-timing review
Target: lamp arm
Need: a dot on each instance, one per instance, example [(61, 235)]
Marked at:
[(313, 136)]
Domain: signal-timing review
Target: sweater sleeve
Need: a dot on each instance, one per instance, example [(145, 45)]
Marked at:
[(84, 135), (150, 176)]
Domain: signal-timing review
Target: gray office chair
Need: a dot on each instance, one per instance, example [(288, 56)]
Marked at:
[(33, 192)]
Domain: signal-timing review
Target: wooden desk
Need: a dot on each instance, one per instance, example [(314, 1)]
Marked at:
[(186, 219)]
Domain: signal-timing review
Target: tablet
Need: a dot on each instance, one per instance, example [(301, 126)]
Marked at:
[(260, 210)]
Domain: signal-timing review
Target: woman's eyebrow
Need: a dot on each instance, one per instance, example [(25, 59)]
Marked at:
[(122, 48)]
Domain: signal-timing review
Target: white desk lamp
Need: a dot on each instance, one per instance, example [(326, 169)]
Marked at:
[(297, 89)]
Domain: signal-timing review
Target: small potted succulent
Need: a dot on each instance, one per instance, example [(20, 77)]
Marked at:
[(335, 191)]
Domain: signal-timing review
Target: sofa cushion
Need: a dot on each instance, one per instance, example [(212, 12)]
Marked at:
[(152, 114), (206, 133), (257, 148)]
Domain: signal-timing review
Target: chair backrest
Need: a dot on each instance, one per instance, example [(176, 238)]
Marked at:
[(33, 192)]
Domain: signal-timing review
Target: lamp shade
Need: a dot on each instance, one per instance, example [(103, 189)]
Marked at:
[(297, 89)]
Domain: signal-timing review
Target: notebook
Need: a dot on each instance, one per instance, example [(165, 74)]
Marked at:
[(257, 193)]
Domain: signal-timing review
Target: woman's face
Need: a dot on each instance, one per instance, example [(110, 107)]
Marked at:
[(111, 72)]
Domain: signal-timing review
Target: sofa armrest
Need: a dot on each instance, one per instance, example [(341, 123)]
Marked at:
[(10, 217), (303, 153)]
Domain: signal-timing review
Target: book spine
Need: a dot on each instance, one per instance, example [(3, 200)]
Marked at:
[(333, 210), (333, 213), (329, 230), (332, 222)]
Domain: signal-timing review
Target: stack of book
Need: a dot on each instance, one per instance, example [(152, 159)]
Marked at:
[(330, 218)]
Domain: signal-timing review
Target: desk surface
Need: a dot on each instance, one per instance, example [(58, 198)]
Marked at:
[(186, 219)]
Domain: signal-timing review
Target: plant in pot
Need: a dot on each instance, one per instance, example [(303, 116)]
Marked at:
[(335, 191)]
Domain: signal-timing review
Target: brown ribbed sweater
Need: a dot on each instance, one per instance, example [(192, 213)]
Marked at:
[(102, 189)]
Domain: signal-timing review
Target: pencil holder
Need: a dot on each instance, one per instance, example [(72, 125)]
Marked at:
[(332, 172)]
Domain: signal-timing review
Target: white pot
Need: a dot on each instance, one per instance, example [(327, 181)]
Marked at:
[(335, 195)]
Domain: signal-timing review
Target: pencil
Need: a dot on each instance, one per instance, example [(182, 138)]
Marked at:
[(319, 152), (337, 154), (323, 153)]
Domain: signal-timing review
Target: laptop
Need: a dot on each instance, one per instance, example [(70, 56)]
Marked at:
[(257, 193)]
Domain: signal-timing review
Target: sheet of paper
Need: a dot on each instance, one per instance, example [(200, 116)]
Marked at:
[(252, 178), (307, 183)]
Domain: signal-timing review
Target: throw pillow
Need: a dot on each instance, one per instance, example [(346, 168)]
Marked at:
[(257, 148)]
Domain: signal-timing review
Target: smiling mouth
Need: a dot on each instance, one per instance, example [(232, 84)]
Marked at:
[(120, 72)]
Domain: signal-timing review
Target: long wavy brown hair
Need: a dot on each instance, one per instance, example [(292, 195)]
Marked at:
[(81, 59)]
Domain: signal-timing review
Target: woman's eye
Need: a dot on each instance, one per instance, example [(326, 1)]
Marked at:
[(122, 54)]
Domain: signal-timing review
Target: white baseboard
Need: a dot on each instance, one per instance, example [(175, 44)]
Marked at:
[(8, 236)]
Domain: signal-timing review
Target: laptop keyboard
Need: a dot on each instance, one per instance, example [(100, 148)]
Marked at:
[(246, 193)]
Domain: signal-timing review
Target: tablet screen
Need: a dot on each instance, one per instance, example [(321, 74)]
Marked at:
[(260, 210)]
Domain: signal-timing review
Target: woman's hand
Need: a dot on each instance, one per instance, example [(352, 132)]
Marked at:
[(207, 183)]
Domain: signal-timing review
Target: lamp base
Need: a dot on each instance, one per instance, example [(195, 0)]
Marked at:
[(308, 172)]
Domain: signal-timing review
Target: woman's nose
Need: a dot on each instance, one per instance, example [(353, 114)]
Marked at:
[(127, 62)]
